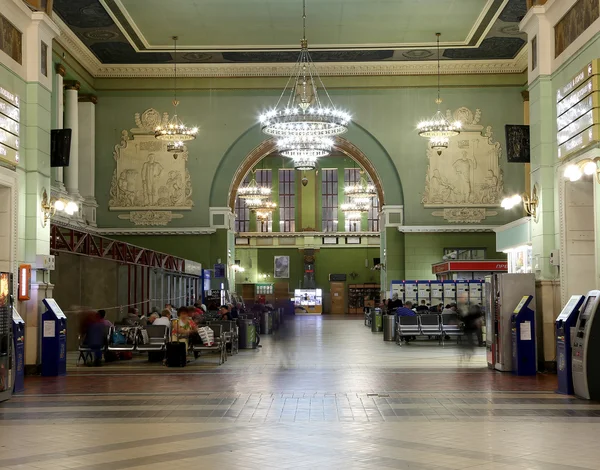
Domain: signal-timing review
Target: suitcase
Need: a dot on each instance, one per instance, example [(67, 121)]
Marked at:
[(176, 354)]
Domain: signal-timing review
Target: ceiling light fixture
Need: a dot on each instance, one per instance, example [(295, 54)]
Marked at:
[(253, 193), (438, 129), (299, 110), (361, 192), (353, 211), (264, 210), (175, 132)]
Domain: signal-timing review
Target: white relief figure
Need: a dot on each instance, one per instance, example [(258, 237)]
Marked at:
[(151, 170), (491, 188), (127, 187), (175, 185), (440, 187), (465, 168)]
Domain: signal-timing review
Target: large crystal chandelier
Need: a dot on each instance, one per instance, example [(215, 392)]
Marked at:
[(263, 209), (353, 211), (361, 192), (300, 111), (175, 132), (438, 129), (253, 193)]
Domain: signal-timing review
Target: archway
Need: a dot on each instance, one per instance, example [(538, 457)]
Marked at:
[(357, 143)]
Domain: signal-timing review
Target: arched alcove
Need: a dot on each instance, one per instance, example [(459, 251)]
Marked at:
[(357, 143)]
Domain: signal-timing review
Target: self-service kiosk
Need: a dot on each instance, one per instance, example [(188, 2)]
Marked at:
[(586, 349), (449, 292), (436, 292), (19, 349), (397, 288), (563, 325), (523, 338), (54, 340), (476, 293), (424, 292), (462, 295), (411, 292), (6, 350)]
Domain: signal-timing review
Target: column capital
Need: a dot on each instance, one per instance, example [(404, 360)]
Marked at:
[(88, 99), (525, 95), (60, 69), (72, 85)]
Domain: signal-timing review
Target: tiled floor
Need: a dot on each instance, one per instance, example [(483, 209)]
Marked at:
[(322, 394)]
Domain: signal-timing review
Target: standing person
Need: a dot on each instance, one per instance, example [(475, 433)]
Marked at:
[(423, 307), (473, 323), (394, 303), (102, 314)]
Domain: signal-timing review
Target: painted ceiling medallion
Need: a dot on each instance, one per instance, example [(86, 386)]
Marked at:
[(300, 111)]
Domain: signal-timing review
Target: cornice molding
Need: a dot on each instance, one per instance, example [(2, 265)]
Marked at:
[(513, 224), (446, 228), (304, 234), (90, 62), (155, 231)]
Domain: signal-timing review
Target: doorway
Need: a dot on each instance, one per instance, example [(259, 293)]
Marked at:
[(337, 292)]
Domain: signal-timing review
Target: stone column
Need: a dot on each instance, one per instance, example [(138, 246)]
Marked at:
[(87, 156), (72, 122), (59, 96)]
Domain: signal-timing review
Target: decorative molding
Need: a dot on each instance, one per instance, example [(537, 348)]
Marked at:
[(446, 228), (467, 173), (90, 62), (154, 231), (464, 215), (60, 69), (87, 99), (150, 217), (304, 234), (386, 216)]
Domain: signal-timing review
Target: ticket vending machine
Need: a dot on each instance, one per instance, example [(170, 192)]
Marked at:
[(523, 338), (54, 340), (476, 293), (462, 295), (503, 292), (449, 292), (397, 288), (436, 292), (562, 328), (586, 349), (19, 351), (411, 292), (6, 349), (424, 292)]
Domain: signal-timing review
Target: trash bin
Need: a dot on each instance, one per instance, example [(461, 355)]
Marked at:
[(389, 327), (247, 334), (376, 320), (266, 323)]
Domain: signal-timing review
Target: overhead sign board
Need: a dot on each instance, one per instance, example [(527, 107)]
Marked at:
[(9, 127), (578, 111)]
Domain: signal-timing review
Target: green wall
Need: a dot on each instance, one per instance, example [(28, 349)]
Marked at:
[(424, 249), (384, 130), (193, 247)]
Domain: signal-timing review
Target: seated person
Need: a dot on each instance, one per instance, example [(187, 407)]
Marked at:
[(164, 319), (393, 303), (406, 311), (423, 307), (225, 312), (93, 331), (185, 327), (106, 322), (132, 318)]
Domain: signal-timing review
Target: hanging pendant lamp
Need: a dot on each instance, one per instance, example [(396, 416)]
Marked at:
[(175, 132), (438, 129)]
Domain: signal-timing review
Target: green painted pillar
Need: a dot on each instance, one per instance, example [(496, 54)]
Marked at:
[(394, 255), (307, 198)]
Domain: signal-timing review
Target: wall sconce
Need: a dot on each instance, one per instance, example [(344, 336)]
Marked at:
[(237, 268), (530, 203), (264, 276), (50, 206), (575, 171)]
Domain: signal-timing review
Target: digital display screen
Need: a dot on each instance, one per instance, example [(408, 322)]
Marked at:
[(521, 304), (52, 305), (571, 305)]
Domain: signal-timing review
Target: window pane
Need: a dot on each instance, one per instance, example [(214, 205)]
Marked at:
[(242, 212), (287, 200), (263, 178), (329, 188)]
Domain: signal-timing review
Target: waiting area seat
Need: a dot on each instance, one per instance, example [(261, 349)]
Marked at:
[(218, 346), (451, 326), (122, 338), (407, 326), (156, 340), (440, 326)]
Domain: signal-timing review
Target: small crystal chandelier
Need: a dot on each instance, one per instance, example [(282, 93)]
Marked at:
[(438, 129), (253, 193), (362, 192), (263, 210), (299, 110), (175, 132), (353, 211)]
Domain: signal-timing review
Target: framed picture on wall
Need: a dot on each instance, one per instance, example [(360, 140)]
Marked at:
[(282, 267)]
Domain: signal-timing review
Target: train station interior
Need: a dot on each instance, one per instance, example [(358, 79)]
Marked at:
[(293, 234)]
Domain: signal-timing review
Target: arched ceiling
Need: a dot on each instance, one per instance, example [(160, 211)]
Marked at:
[(268, 31)]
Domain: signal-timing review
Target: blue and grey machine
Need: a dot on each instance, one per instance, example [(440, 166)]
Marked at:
[(564, 322), (462, 295), (449, 292), (411, 292), (424, 292), (19, 349), (54, 340), (523, 338), (476, 293), (436, 292), (397, 287), (586, 349)]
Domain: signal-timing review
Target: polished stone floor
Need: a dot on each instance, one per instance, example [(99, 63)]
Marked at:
[(323, 393)]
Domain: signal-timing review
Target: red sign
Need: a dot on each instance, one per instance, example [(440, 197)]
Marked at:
[(456, 266)]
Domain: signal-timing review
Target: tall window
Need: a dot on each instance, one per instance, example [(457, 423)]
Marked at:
[(264, 178), (373, 217), (287, 201), (329, 200), (351, 176), (242, 212)]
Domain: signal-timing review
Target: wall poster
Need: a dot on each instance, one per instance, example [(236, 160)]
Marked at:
[(282, 267)]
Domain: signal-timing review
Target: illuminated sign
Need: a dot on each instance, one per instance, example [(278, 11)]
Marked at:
[(9, 127), (24, 281), (577, 110)]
